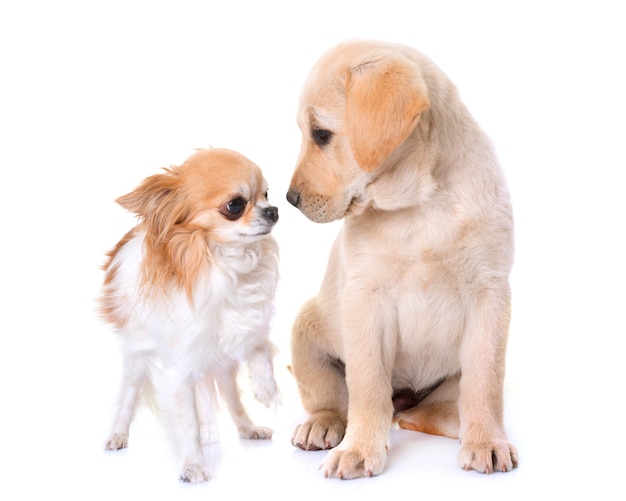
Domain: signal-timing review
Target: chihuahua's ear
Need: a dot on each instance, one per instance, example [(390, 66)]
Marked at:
[(149, 195), (156, 201), (189, 252), (384, 101)]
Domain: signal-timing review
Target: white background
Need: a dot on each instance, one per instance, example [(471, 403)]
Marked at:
[(95, 96)]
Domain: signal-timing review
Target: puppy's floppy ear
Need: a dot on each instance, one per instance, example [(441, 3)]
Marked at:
[(384, 100)]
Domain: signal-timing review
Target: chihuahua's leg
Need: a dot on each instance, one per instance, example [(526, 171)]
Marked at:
[(134, 379), (261, 370), (229, 390), (176, 394), (321, 382)]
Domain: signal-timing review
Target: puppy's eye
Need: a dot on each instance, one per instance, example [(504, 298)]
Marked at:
[(266, 195), (235, 208), (321, 137)]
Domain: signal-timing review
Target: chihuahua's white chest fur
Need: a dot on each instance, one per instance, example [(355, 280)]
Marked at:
[(231, 310), (189, 291)]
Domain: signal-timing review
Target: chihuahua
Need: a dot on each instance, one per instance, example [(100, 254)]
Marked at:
[(190, 290)]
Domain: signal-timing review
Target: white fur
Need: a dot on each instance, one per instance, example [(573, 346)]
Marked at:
[(172, 347), (177, 353)]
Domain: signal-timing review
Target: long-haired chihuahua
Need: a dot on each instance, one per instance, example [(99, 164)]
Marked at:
[(190, 292)]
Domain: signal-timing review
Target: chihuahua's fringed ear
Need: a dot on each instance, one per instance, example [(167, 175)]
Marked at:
[(150, 194), (189, 253), (175, 250), (155, 200)]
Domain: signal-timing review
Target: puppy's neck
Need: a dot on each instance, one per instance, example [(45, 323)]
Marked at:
[(401, 183)]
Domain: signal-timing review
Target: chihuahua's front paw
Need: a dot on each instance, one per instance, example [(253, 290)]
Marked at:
[(193, 474), (255, 432), (116, 441), (265, 391)]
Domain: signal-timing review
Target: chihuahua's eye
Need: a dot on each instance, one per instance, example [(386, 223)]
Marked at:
[(235, 208), (266, 195), (321, 137)]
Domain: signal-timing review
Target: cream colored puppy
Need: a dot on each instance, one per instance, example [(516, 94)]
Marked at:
[(412, 317)]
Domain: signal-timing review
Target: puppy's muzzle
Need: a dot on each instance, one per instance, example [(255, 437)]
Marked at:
[(293, 197), (271, 213)]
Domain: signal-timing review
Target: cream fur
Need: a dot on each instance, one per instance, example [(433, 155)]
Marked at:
[(416, 291)]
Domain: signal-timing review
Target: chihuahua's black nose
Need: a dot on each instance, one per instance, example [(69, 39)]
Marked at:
[(271, 213), (293, 197)]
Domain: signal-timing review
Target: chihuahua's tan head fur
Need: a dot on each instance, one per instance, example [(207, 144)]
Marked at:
[(359, 103), (216, 197)]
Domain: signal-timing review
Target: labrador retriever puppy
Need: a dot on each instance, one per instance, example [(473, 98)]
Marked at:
[(411, 322)]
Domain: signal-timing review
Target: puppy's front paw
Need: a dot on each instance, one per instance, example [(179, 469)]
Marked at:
[(116, 441), (353, 462), (488, 457), (193, 474), (323, 430)]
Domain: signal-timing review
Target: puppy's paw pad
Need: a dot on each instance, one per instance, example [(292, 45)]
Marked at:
[(116, 441), (353, 463), (193, 474), (490, 457), (323, 430)]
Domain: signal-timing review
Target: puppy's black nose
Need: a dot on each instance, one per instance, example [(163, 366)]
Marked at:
[(271, 213), (293, 197)]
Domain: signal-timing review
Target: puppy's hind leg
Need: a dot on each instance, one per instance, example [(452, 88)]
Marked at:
[(134, 380), (229, 390), (437, 414), (321, 383)]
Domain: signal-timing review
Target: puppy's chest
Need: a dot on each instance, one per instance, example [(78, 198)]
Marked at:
[(429, 272), (410, 256), (409, 272)]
